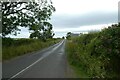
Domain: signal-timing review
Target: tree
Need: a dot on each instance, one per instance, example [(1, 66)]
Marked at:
[(63, 37), (34, 15), (44, 34), (68, 35)]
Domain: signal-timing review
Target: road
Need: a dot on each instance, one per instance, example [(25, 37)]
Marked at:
[(47, 63)]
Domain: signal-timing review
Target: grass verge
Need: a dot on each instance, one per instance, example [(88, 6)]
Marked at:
[(70, 48), (96, 54), (13, 48)]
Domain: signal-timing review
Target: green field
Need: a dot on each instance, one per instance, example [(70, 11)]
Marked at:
[(16, 47), (96, 54)]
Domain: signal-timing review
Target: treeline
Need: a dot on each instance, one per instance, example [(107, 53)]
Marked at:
[(97, 54), (16, 47)]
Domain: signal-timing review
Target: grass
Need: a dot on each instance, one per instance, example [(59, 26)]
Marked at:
[(96, 55), (80, 72), (23, 46), (0, 49), (72, 60)]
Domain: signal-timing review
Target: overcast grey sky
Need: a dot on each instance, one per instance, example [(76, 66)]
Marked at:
[(81, 16)]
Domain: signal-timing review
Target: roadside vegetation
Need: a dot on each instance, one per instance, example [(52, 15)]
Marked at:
[(16, 47), (0, 49), (31, 15), (96, 54)]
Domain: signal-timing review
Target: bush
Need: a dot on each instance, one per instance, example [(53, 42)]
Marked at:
[(97, 53)]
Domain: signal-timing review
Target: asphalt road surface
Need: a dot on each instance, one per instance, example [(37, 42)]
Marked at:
[(47, 63)]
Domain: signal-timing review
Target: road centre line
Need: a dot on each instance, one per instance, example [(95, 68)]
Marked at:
[(35, 62)]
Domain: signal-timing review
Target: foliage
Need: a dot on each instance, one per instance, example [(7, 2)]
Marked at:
[(98, 53), (68, 35), (33, 15), (63, 37), (16, 47)]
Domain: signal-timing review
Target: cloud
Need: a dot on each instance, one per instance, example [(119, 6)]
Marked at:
[(84, 6), (93, 18), (83, 15)]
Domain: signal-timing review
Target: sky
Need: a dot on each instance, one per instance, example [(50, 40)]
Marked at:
[(80, 16)]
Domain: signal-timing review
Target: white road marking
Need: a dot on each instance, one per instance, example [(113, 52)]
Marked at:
[(35, 62)]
